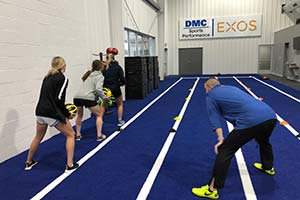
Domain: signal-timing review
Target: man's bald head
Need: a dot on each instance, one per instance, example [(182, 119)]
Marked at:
[(211, 83)]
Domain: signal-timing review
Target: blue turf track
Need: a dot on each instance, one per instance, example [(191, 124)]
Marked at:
[(119, 170)]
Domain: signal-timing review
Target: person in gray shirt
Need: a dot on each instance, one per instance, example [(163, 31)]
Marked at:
[(87, 96)]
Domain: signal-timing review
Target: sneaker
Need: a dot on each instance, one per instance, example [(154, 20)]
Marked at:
[(28, 166), (78, 138), (268, 171), (69, 169), (121, 123), (204, 192), (100, 138)]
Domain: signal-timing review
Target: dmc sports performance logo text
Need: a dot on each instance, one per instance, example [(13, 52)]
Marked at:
[(196, 28), (202, 23)]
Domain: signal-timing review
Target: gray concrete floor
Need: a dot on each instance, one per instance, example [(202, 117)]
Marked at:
[(284, 81)]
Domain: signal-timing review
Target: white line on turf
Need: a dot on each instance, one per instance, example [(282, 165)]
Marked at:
[(280, 119), (278, 90), (150, 104), (143, 194), (243, 170), (206, 77), (63, 176)]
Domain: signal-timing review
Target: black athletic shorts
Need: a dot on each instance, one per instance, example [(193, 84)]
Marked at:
[(84, 102), (116, 91)]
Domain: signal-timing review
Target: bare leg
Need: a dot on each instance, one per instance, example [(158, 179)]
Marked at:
[(211, 185), (68, 131), (40, 133), (119, 102), (98, 111), (79, 120)]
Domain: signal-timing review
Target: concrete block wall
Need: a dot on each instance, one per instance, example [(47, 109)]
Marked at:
[(32, 32)]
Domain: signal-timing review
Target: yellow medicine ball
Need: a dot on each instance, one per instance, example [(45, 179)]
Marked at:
[(107, 92), (71, 108)]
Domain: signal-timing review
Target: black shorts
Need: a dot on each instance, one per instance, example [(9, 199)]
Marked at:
[(116, 91), (84, 102)]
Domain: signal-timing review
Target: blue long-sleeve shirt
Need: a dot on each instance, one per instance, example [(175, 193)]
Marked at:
[(237, 107)]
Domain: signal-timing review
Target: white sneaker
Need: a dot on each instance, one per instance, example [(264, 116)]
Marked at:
[(121, 123)]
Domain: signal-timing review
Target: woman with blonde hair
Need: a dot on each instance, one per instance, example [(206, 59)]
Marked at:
[(87, 96), (114, 79), (51, 111)]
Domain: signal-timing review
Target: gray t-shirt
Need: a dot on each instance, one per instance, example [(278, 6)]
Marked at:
[(91, 88)]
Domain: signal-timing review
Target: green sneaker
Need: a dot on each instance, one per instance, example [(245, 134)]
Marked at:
[(204, 192), (268, 171)]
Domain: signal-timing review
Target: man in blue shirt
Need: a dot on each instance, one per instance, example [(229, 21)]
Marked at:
[(251, 118)]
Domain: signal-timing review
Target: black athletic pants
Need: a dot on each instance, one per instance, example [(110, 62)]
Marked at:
[(235, 140)]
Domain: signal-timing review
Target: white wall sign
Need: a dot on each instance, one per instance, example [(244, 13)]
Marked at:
[(236, 26)]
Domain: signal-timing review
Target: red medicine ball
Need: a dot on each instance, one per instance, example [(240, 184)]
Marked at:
[(115, 51), (109, 50)]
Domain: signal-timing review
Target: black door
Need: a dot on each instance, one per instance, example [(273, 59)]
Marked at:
[(190, 61)]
